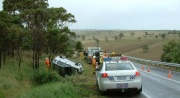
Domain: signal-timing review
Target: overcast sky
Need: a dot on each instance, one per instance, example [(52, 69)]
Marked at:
[(122, 14)]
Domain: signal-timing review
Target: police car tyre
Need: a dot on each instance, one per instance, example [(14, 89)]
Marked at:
[(139, 91), (101, 92)]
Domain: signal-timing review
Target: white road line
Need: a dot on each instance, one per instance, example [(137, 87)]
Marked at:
[(175, 81), (146, 94)]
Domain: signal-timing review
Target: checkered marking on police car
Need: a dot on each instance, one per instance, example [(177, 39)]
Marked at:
[(132, 76), (111, 78)]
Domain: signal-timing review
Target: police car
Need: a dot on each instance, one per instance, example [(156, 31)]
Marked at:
[(117, 73)]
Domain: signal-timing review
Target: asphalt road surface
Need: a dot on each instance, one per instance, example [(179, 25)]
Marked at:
[(155, 84)]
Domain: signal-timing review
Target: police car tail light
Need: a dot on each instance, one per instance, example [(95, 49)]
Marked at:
[(104, 75), (137, 73)]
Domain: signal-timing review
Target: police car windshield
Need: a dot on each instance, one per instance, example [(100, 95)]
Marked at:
[(119, 66)]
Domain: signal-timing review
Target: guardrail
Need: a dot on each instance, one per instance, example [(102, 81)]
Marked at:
[(165, 65)]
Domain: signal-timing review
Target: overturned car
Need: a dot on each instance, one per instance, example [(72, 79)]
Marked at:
[(65, 66)]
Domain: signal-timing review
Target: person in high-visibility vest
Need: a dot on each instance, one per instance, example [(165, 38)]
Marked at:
[(113, 53), (47, 63), (81, 56), (94, 64), (101, 60)]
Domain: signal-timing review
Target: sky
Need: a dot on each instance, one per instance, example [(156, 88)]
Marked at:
[(122, 14)]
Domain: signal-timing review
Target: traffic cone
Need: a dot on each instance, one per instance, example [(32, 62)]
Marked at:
[(142, 67), (148, 70), (169, 74)]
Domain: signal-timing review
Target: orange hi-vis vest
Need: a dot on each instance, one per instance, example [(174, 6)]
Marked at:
[(47, 62), (94, 62)]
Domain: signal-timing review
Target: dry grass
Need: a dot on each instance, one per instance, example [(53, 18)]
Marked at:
[(129, 45)]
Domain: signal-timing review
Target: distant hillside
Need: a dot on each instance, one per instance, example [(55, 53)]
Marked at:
[(128, 45)]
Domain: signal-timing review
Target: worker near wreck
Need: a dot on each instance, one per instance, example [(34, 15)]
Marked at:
[(94, 64)]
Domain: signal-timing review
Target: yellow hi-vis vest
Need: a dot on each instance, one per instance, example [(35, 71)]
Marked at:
[(101, 60)]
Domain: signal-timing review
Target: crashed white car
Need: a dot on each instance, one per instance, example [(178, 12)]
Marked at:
[(116, 74), (65, 66)]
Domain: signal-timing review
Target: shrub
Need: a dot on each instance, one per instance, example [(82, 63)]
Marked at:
[(44, 76), (145, 48), (171, 52)]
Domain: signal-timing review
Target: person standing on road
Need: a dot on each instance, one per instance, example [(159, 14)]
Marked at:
[(94, 64)]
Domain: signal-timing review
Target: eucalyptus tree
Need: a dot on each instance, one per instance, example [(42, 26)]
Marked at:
[(179, 34), (115, 37), (146, 33), (163, 36), (132, 34), (16, 34), (15, 29), (106, 39), (139, 38), (79, 46), (60, 39), (97, 42), (47, 27), (33, 17), (171, 52), (156, 36), (83, 37), (121, 35), (5, 22)]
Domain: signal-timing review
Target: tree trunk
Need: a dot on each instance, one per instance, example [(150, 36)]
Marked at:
[(20, 59), (33, 63), (0, 58), (4, 57), (19, 52), (36, 60), (12, 52)]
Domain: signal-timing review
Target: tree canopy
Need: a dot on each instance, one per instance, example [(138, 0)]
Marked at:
[(30, 24), (171, 52)]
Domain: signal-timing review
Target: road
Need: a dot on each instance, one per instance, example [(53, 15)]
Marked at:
[(155, 83)]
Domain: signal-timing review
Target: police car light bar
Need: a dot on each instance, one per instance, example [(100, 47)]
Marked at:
[(107, 59)]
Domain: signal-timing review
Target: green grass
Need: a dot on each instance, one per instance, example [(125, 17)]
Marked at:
[(17, 83), (53, 90), (14, 80), (75, 86)]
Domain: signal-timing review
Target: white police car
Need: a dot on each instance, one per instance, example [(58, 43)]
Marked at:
[(117, 74)]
